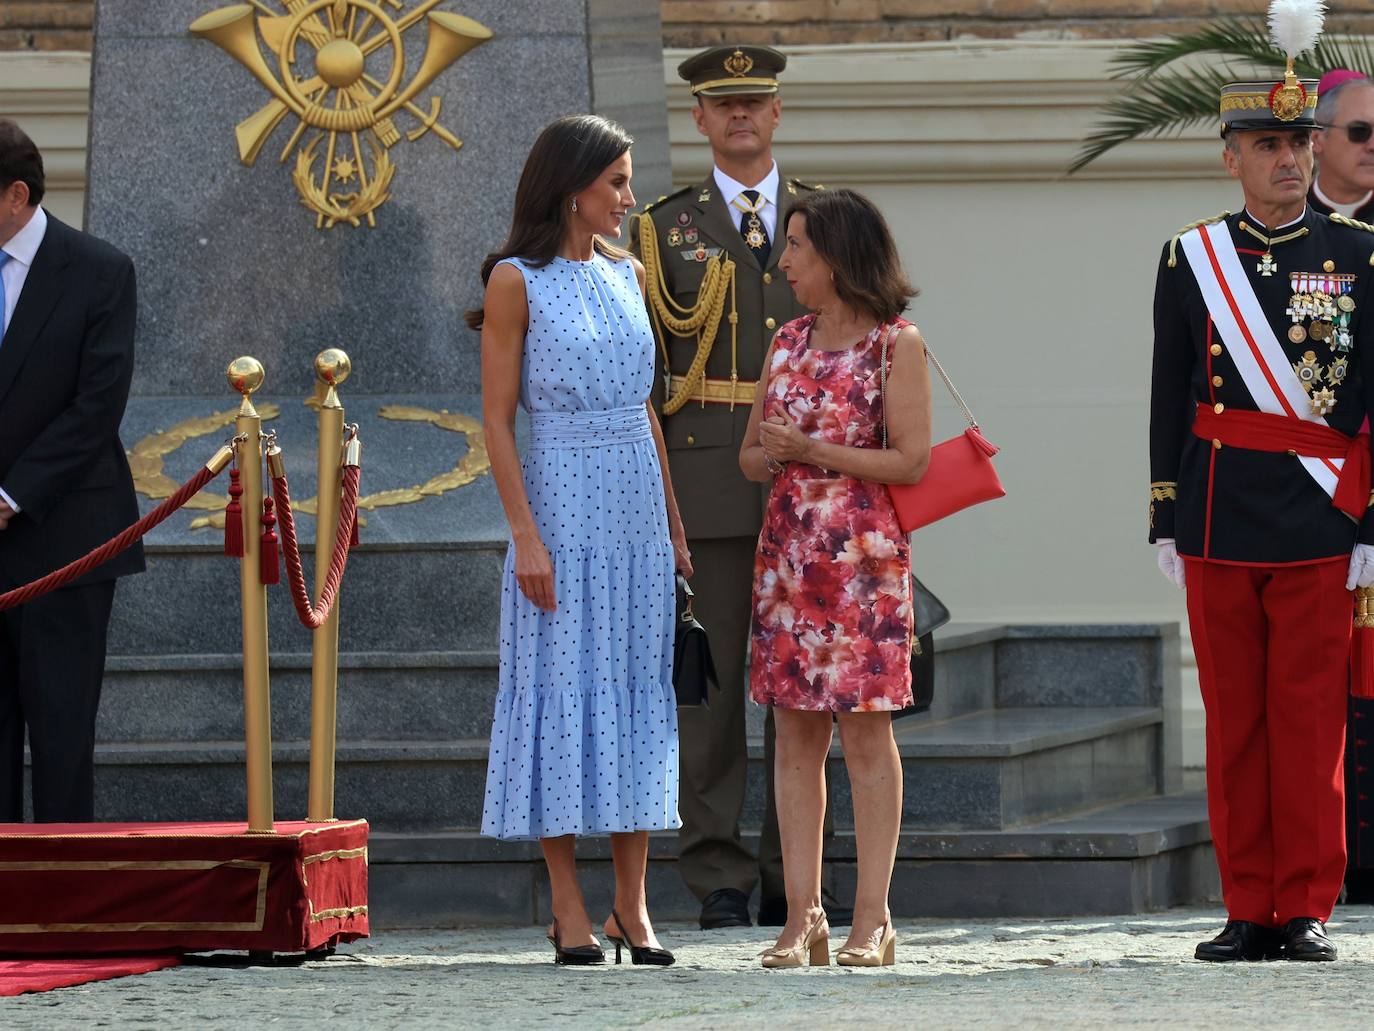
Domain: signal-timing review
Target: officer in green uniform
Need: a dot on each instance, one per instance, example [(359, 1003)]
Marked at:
[(716, 297)]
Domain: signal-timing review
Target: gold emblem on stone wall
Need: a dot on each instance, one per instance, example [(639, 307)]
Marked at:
[(343, 98), (146, 461)]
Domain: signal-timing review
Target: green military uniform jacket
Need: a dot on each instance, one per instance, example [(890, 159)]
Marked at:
[(691, 226)]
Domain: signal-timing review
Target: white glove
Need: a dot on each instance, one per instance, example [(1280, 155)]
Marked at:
[(1361, 567), (1171, 563)]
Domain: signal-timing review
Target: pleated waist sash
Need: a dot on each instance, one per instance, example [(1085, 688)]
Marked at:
[(603, 428)]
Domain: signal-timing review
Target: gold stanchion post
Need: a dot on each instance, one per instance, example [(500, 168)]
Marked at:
[(332, 367), (246, 375)]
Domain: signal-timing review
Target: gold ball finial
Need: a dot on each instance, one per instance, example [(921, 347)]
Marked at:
[(245, 375), (332, 367)]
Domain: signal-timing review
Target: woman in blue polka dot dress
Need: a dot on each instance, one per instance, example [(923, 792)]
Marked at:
[(584, 740)]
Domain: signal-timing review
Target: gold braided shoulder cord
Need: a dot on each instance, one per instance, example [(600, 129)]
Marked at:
[(1173, 244), (703, 318)]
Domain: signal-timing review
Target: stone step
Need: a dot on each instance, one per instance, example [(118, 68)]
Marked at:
[(388, 695), (986, 770), (406, 598), (1126, 858), (198, 697)]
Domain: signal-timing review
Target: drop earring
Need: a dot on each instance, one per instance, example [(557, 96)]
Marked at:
[(574, 206)]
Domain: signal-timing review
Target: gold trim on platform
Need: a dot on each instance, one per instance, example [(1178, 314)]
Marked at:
[(718, 391), (332, 914), (338, 853), (105, 865)]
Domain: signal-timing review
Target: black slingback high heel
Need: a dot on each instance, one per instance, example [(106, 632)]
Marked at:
[(640, 955), (578, 955)]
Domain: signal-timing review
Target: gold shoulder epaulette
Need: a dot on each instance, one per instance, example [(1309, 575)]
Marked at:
[(1173, 244), (666, 197), (1353, 223), (804, 185)]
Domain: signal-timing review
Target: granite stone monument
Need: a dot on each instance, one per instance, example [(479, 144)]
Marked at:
[(233, 260)]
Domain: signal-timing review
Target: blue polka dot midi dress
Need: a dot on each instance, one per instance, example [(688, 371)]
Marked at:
[(584, 739)]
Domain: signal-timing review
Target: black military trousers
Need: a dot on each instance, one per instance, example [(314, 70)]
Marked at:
[(714, 747), (52, 661)]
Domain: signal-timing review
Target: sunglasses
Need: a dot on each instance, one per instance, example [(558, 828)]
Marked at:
[(1356, 132)]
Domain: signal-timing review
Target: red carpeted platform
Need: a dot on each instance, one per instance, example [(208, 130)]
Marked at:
[(18, 976), (88, 888)]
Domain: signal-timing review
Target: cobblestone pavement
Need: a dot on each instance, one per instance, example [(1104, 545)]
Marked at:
[(1089, 972)]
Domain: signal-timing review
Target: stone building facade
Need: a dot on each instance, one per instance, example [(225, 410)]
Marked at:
[(66, 24)]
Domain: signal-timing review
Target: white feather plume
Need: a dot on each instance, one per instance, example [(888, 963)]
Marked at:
[(1295, 25)]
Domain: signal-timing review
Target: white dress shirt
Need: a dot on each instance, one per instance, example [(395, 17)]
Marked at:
[(21, 247), (768, 192)]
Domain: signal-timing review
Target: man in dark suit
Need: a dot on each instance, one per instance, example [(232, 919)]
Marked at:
[(66, 360)]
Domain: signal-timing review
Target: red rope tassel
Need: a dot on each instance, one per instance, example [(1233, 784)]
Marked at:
[(233, 518), (270, 566), (1362, 646)]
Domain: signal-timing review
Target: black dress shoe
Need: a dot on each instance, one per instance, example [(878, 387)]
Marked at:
[(1241, 940), (1304, 938), (725, 907), (837, 914), (773, 911)]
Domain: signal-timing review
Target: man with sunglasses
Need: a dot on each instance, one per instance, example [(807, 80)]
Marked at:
[(1343, 146), (1344, 182), (1260, 505)]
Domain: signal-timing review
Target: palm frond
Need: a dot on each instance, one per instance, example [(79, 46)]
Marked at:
[(1353, 52), (1245, 39), (1173, 83), (1162, 104)]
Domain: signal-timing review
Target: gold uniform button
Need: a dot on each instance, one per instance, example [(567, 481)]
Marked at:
[(1216, 349), (769, 323), (1328, 265), (767, 278), (691, 439), (1218, 408), (1292, 453), (1216, 381), (1216, 444)]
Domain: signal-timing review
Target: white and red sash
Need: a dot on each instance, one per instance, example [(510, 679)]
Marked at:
[(1250, 339)]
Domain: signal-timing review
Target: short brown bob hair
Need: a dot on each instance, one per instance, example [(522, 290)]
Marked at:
[(852, 237)]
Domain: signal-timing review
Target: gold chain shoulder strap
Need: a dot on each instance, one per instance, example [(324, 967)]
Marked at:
[(890, 336), (702, 319)]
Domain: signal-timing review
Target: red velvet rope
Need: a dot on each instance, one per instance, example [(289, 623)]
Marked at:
[(111, 548), (311, 616)]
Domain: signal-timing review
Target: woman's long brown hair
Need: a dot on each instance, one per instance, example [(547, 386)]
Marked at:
[(567, 157)]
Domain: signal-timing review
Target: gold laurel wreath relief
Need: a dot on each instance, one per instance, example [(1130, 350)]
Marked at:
[(146, 462), (345, 109)]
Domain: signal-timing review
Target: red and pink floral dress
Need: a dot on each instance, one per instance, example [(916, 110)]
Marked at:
[(832, 591)]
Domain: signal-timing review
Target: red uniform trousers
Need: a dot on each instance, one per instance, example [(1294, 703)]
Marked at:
[(1273, 652)]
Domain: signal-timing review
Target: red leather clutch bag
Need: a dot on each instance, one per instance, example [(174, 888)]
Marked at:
[(960, 473)]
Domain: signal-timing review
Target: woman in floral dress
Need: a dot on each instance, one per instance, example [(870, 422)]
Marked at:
[(832, 599)]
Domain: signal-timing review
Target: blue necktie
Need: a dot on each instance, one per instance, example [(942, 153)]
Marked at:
[(3, 324)]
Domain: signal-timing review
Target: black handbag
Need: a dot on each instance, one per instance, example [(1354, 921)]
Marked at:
[(928, 614), (693, 669)]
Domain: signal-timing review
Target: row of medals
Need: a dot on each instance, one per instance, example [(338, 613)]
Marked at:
[(1323, 302)]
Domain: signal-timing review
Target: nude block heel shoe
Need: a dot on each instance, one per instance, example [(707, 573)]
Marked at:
[(815, 944), (884, 955)]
